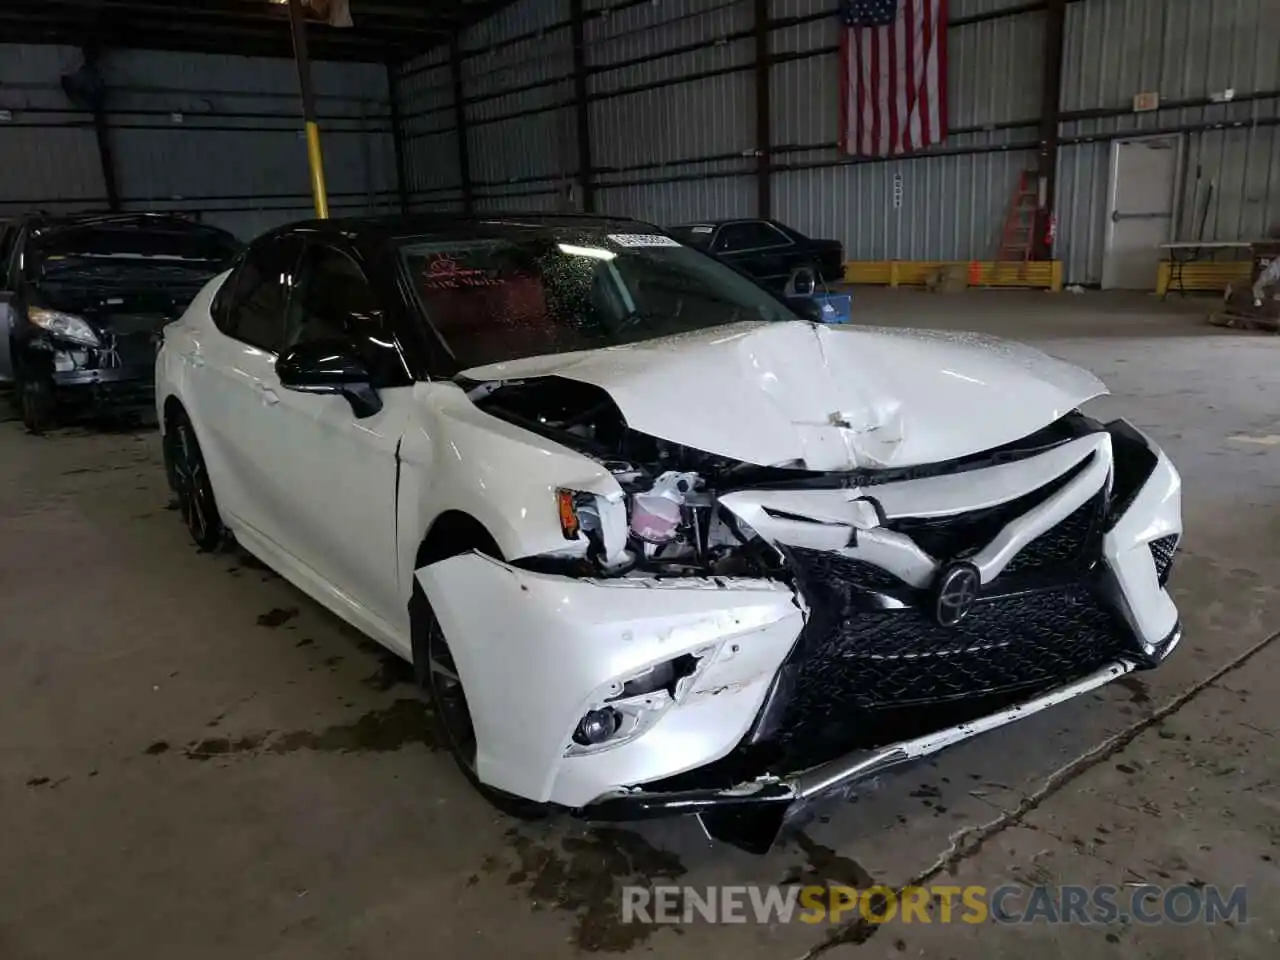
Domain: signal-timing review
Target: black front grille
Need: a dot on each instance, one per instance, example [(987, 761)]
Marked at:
[(127, 350), (1061, 545), (824, 566), (1162, 551), (133, 324), (864, 678), (873, 665)]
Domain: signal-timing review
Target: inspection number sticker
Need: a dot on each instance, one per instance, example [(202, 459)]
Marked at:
[(642, 240)]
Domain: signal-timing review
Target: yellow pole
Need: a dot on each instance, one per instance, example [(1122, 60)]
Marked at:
[(315, 159)]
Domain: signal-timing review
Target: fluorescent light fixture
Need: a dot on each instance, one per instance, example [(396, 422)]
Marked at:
[(596, 253)]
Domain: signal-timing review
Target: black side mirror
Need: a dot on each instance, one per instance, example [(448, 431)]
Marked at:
[(329, 366), (806, 308)]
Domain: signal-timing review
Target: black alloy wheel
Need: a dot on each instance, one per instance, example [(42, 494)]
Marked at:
[(438, 675), (191, 484), (450, 701)]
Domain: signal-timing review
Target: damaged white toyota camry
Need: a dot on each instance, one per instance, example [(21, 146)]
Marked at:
[(654, 543)]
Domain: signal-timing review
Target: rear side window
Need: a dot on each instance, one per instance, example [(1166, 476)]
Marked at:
[(750, 235), (252, 306)]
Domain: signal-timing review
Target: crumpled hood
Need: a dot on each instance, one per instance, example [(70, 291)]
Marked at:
[(825, 397)]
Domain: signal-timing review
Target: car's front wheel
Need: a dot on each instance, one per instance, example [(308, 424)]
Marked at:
[(438, 675), (190, 481), (35, 398)]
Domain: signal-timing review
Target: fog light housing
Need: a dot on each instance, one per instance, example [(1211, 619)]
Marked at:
[(597, 726)]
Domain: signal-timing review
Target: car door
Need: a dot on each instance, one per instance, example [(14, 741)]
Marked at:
[(229, 365), (757, 247), (332, 476)]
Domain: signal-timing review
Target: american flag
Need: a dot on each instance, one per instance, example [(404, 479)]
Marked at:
[(893, 76)]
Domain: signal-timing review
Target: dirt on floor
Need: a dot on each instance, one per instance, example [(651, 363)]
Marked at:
[(197, 761)]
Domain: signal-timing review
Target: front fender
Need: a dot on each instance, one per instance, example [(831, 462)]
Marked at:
[(505, 477)]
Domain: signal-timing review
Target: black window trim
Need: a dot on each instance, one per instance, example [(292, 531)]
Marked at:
[(273, 239)]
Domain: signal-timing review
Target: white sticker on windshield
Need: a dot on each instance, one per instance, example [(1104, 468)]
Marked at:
[(642, 240)]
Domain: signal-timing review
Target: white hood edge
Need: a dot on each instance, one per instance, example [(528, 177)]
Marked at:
[(831, 397)]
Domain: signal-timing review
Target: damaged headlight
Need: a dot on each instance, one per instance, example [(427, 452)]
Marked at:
[(625, 708), (601, 519), (65, 326)]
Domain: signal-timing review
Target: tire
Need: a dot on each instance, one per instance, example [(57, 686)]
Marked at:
[(35, 397), (437, 676), (196, 501)]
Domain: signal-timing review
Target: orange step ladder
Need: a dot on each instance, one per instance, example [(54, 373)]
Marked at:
[(1017, 235)]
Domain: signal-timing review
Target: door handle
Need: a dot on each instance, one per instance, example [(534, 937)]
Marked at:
[(269, 396)]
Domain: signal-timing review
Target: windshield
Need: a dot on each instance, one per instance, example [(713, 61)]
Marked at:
[(555, 291), (107, 248)]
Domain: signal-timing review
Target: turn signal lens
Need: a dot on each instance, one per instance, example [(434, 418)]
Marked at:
[(569, 525)]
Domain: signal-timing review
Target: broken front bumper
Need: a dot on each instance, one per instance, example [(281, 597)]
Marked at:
[(774, 716), (751, 814)]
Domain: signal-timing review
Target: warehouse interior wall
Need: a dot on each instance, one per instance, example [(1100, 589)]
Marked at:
[(218, 136), (665, 92)]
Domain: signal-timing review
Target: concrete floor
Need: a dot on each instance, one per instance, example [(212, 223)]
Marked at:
[(196, 761)]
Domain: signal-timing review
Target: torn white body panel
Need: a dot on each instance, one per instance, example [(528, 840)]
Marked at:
[(840, 520), (831, 397), (531, 649), (1156, 512)]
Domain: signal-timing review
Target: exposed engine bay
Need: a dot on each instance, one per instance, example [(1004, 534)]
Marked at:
[(670, 520), (673, 524)]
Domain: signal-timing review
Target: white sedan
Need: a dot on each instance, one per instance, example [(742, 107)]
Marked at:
[(655, 542)]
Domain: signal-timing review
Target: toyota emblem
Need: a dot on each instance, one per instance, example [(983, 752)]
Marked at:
[(956, 594)]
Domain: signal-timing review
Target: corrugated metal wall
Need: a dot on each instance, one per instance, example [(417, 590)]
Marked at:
[(1187, 51), (521, 162), (43, 160), (220, 135), (659, 128), (522, 145), (424, 92), (945, 207), (669, 149)]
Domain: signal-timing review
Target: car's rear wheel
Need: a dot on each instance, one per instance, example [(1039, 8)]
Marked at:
[(190, 480), (437, 673)]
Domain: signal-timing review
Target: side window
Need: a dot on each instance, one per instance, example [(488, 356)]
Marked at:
[(749, 235), (253, 309), (9, 244), (335, 301)]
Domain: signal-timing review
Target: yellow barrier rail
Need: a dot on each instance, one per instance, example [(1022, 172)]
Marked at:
[(1036, 274), (1209, 276)]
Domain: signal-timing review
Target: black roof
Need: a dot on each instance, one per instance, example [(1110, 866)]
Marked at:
[(717, 223), (60, 221), (362, 230)]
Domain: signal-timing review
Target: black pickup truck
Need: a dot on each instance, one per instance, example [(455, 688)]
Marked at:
[(771, 252)]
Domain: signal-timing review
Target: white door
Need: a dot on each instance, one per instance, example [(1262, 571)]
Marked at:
[(1140, 210), (328, 477), (227, 374)]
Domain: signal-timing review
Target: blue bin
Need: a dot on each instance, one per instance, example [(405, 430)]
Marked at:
[(836, 307)]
